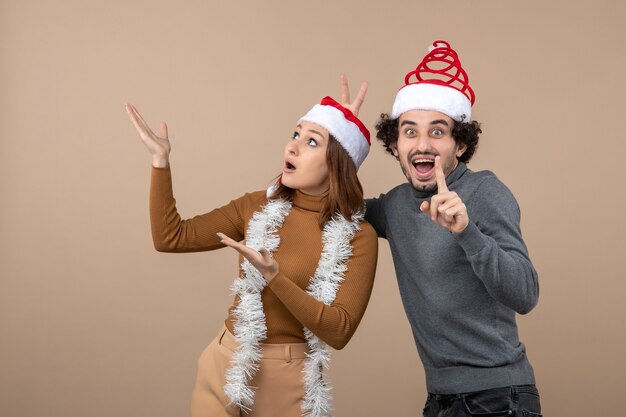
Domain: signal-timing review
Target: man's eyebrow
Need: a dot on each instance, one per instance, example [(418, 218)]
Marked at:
[(408, 122), (439, 122)]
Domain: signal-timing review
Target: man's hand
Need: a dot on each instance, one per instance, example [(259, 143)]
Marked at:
[(355, 106), (261, 260), (446, 208)]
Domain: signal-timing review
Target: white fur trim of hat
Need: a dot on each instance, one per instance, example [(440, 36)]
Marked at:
[(436, 97), (343, 125)]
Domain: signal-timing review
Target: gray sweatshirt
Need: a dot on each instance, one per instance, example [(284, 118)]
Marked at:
[(461, 292)]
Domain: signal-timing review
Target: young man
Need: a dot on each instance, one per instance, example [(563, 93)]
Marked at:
[(461, 263)]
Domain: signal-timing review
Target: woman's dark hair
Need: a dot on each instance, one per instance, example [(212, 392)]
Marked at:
[(466, 133), (345, 193)]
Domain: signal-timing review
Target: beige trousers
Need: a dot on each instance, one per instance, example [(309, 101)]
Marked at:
[(279, 388)]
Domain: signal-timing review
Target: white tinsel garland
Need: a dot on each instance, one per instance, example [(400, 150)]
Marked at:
[(249, 318), (324, 286)]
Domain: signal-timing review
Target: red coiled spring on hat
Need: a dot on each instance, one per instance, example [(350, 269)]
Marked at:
[(442, 66)]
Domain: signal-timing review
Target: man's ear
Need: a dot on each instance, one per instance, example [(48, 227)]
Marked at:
[(394, 149), (460, 149)]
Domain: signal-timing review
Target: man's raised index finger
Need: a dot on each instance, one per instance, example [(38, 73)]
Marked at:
[(441, 178)]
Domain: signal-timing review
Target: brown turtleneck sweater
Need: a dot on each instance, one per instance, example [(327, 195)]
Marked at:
[(286, 304)]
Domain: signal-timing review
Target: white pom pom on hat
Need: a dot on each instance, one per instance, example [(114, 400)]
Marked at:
[(340, 122), (441, 85)]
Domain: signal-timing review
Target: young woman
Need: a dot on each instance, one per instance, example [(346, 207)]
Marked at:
[(307, 266)]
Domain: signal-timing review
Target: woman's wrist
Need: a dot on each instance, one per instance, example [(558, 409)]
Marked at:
[(160, 161), (269, 276)]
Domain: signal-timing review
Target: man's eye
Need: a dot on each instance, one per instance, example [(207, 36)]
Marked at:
[(295, 135), (312, 142), (437, 132), (410, 132)]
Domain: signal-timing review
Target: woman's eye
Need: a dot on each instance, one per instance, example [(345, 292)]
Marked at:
[(312, 142), (295, 135)]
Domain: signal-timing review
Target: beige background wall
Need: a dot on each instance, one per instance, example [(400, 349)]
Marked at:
[(94, 322)]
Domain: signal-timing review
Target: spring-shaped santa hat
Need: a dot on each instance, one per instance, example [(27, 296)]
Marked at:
[(440, 84)]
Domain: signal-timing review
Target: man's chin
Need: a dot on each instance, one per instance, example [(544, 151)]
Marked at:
[(419, 185), (423, 187)]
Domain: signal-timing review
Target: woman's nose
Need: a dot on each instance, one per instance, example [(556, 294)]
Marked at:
[(292, 147)]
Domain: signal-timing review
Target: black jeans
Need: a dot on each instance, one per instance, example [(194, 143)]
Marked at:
[(517, 401)]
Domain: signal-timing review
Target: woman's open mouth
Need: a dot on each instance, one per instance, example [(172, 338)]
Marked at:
[(289, 167)]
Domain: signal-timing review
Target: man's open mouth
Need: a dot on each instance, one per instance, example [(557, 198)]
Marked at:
[(424, 166)]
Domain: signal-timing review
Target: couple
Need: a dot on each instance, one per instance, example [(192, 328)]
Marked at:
[(310, 254)]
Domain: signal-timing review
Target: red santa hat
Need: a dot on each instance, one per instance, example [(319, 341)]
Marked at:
[(340, 122), (440, 84)]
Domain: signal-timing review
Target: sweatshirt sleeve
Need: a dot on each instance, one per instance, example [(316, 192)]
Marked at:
[(495, 248), (375, 215), (170, 233), (336, 323)]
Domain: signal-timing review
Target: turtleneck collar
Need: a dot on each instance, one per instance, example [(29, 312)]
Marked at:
[(309, 202), (450, 179)]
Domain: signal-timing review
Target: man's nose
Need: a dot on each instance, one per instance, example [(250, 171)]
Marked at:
[(422, 144)]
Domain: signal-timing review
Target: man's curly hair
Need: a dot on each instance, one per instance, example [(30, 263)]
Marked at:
[(467, 133)]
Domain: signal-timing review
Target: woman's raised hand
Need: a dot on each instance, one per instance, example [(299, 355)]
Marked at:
[(354, 106), (159, 146), (262, 260)]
